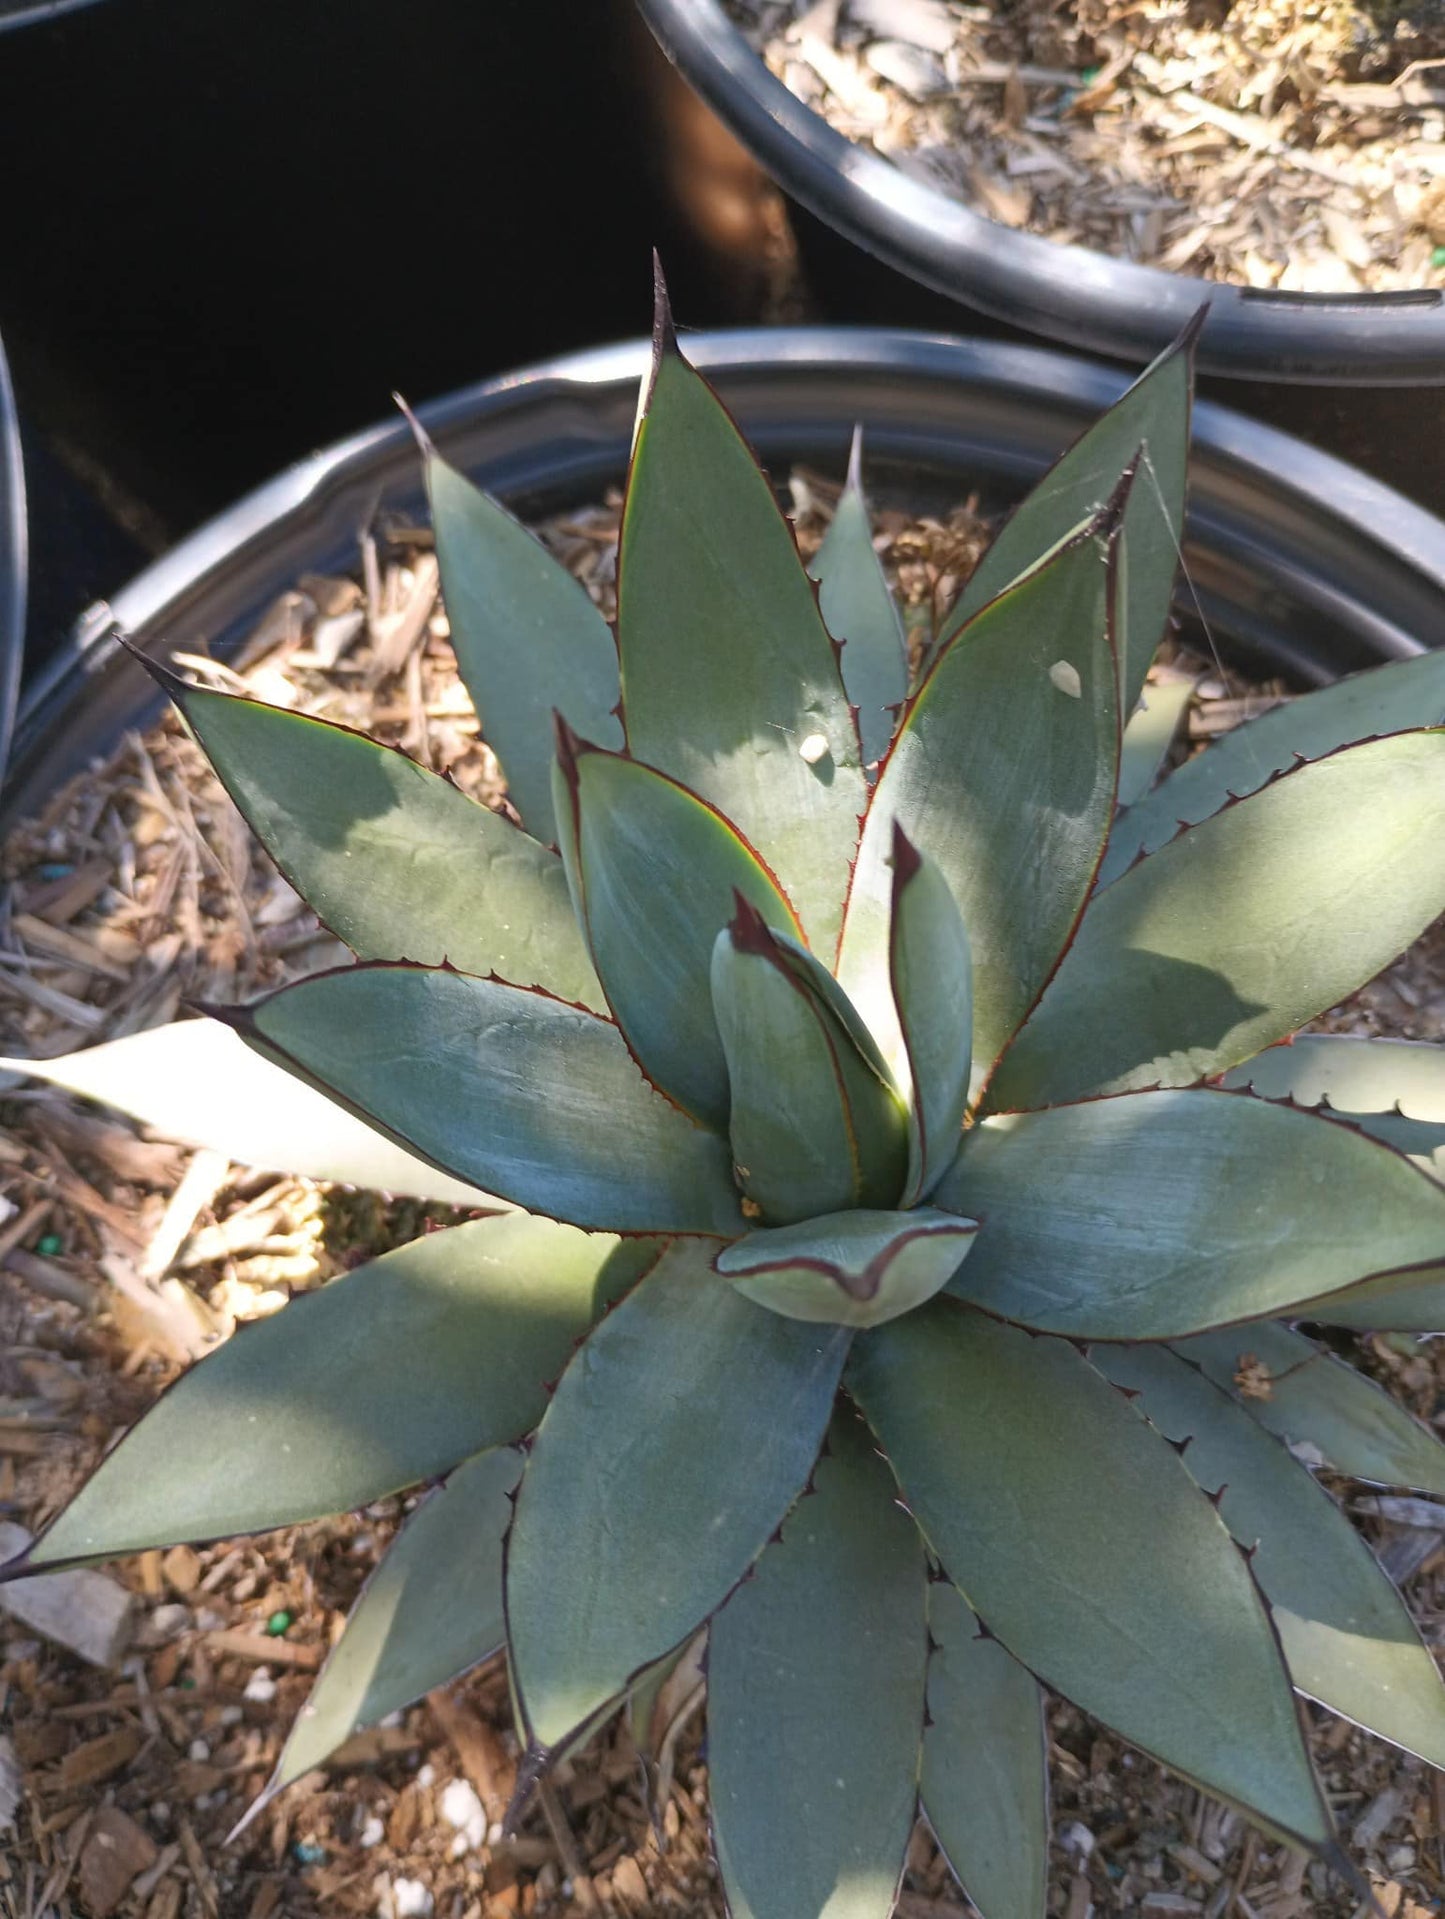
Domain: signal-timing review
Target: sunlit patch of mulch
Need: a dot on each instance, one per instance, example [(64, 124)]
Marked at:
[(1290, 144)]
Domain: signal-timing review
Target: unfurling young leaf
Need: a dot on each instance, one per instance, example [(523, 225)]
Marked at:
[(653, 871), (814, 1130), (850, 1269), (931, 969), (859, 611), (1003, 774)]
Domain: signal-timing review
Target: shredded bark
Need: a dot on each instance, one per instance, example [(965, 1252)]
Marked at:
[(1292, 144)]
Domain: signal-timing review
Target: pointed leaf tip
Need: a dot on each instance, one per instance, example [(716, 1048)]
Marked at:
[(906, 858), (171, 683), (384, 1379), (1155, 410), (18, 1566), (664, 331), (855, 460), (749, 930), (427, 449), (700, 670), (1111, 515), (237, 1017), (570, 745), (1016, 834)]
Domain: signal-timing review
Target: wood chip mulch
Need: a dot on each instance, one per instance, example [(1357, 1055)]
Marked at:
[(1290, 144), (120, 1256)]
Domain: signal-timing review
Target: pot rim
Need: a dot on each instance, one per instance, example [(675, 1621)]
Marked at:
[(29, 13), (1073, 294), (1328, 542), (14, 559)]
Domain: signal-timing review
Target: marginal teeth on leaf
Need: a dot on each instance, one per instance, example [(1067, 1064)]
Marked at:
[(813, 749), (1066, 678)]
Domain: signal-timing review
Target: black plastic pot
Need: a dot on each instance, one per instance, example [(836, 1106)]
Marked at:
[(14, 553), (1297, 563), (1072, 294), (231, 228)]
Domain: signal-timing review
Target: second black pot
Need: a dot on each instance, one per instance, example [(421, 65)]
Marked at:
[(1068, 293)]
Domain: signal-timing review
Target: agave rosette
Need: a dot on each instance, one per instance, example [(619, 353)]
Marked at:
[(884, 1164)]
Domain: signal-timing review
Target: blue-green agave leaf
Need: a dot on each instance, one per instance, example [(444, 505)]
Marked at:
[(1386, 699), (1348, 1640), (859, 610), (985, 1763), (492, 1082), (1035, 1482), (813, 1128), (816, 1681), (396, 861), (730, 681), (851, 1269), (1420, 1140), (1003, 774), (1163, 1214), (1244, 928), (1319, 1405), (1393, 1089), (198, 1081), (1351, 1075), (385, 1378), (931, 970), (1148, 737), (814, 975), (653, 871), (1407, 1301), (1149, 424), (677, 1439), (431, 1611), (528, 640)]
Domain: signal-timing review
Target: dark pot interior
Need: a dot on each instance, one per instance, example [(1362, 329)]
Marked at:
[(1296, 563)]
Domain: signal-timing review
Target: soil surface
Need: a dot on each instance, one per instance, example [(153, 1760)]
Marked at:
[(1294, 144)]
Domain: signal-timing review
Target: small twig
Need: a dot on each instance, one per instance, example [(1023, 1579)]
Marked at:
[(566, 1846)]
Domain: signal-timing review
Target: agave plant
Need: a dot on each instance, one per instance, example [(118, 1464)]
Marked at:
[(892, 1200)]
